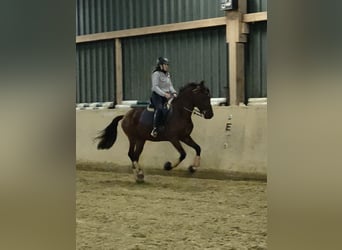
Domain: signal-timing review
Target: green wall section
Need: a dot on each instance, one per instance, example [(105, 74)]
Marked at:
[(194, 56)]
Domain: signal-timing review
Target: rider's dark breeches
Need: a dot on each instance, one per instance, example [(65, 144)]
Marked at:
[(158, 103)]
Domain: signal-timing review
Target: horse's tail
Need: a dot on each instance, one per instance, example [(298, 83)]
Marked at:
[(108, 135)]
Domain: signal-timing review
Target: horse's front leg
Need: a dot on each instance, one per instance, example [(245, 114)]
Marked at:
[(168, 165), (190, 142), (138, 171)]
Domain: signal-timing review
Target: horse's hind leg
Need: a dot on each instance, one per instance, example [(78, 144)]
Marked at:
[(168, 165), (190, 142), (131, 150)]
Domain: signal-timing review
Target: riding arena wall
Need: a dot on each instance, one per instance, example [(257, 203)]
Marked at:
[(233, 141)]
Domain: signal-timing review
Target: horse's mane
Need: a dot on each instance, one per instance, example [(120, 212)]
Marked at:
[(190, 84)]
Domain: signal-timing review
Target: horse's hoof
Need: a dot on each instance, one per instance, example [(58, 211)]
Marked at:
[(167, 166), (140, 178), (192, 169)]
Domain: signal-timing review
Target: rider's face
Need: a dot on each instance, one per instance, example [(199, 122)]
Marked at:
[(165, 67)]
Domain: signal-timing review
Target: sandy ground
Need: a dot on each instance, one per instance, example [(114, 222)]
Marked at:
[(169, 212)]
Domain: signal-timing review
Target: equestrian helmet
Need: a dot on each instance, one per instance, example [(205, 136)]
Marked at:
[(162, 60)]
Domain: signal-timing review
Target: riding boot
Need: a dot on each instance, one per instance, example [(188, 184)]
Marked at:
[(156, 123)]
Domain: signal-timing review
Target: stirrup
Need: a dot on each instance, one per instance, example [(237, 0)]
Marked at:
[(154, 133)]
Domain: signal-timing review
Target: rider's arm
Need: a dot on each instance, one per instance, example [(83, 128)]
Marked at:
[(155, 84), (172, 89)]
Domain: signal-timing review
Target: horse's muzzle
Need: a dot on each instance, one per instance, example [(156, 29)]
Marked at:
[(208, 114)]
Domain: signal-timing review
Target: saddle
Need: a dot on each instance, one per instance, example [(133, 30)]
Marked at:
[(147, 115)]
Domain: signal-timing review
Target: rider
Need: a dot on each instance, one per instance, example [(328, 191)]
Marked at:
[(162, 91)]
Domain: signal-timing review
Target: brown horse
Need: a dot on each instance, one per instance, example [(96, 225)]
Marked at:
[(137, 125)]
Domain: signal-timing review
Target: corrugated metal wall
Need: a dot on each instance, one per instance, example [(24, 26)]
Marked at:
[(256, 61), (95, 16), (256, 5), (95, 65), (256, 51), (195, 55)]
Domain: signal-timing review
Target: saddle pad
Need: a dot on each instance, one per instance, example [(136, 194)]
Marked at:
[(146, 117)]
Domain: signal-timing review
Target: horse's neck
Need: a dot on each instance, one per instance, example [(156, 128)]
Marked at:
[(183, 107)]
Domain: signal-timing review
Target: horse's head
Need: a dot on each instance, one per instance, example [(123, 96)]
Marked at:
[(196, 95), (201, 100)]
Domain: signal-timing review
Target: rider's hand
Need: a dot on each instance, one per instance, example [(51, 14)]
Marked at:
[(174, 95), (168, 95)]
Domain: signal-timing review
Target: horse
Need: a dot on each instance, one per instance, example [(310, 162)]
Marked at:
[(193, 97)]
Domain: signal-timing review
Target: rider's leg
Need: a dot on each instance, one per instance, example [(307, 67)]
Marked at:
[(158, 102), (156, 122)]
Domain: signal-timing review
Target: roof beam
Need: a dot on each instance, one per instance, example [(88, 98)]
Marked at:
[(204, 23), (254, 17)]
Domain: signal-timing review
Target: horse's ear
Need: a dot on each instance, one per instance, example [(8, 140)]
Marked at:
[(202, 83)]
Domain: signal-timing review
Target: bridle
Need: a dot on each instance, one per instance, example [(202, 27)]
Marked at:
[(195, 111)]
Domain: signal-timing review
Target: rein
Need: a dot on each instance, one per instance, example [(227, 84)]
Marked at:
[(194, 111)]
